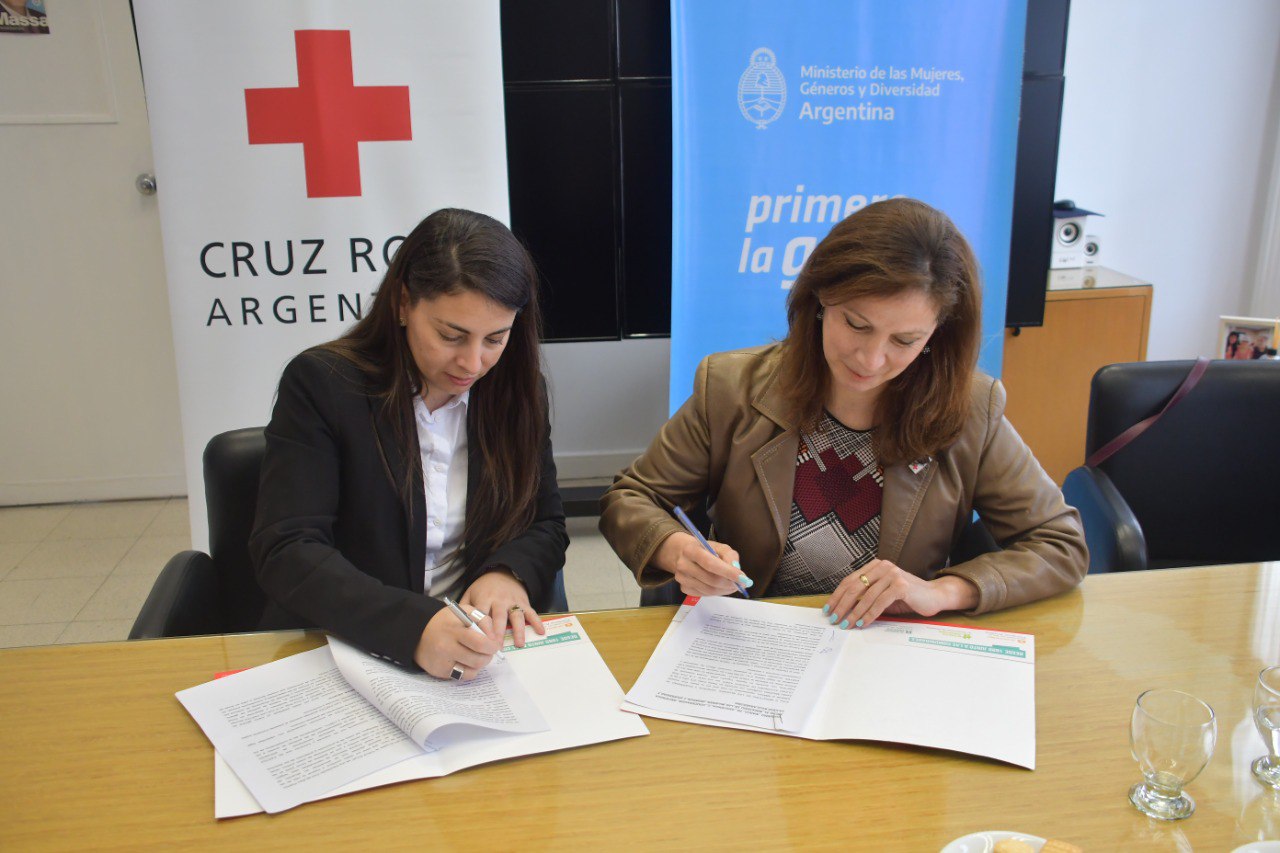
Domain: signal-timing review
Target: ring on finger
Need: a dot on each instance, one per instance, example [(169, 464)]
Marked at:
[(864, 580), (515, 608), (456, 673)]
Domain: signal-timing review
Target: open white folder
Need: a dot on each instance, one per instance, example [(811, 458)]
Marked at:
[(786, 670), (573, 701)]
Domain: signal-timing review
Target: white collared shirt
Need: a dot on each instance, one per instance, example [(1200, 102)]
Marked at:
[(442, 443)]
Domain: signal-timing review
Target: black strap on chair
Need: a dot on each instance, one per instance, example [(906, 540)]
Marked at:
[(1102, 454)]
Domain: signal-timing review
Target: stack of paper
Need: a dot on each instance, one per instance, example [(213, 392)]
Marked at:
[(784, 669), (336, 720)]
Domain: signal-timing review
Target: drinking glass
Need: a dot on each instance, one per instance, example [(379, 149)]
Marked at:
[(1172, 735), (1266, 716)]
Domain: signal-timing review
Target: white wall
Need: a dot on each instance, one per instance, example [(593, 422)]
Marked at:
[(608, 400), (1168, 128)]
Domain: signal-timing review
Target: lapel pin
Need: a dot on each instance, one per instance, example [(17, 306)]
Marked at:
[(918, 466)]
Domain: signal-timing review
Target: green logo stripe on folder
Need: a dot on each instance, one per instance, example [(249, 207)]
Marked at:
[(1003, 651), (556, 639)]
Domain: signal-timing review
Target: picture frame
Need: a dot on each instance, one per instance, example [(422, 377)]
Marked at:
[(1246, 338)]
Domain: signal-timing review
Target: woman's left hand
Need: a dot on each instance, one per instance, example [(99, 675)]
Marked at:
[(880, 588), (503, 599)]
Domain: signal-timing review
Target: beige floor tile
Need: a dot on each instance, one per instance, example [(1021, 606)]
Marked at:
[(70, 558), (583, 602), (172, 520), (631, 596), (149, 554), (626, 579), (590, 578), (30, 523), (98, 631), (11, 553), (106, 520), (33, 602), (117, 598), (12, 636)]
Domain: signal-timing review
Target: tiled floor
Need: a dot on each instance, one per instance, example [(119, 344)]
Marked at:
[(77, 573)]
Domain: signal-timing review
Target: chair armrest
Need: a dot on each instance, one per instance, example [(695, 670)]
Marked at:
[(1111, 530), (183, 601)]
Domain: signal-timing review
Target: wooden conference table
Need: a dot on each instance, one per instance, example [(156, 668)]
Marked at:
[(97, 753)]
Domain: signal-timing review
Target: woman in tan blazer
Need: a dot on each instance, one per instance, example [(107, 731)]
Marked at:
[(848, 458)]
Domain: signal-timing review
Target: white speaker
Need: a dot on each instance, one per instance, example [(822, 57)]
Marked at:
[(1069, 236), (1092, 247), (1068, 243)]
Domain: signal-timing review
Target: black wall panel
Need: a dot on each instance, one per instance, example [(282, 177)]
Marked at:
[(561, 169), (644, 38), (557, 40), (646, 220), (588, 102), (1039, 125)]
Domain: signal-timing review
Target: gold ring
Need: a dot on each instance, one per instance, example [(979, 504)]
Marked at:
[(864, 580), (515, 608)]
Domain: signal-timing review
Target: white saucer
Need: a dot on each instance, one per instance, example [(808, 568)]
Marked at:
[(983, 842), (1258, 847)]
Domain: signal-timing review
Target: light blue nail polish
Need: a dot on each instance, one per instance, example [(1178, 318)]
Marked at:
[(746, 581), (844, 625), (858, 624), (826, 608), (834, 618), (736, 564)]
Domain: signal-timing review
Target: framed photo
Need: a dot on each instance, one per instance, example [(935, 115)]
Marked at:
[(1245, 338)]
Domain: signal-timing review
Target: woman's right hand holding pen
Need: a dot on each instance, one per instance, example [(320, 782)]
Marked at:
[(446, 643), (696, 570)]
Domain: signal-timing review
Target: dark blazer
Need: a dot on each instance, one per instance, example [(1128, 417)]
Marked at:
[(335, 544)]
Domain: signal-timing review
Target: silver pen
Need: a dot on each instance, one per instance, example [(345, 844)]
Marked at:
[(469, 623)]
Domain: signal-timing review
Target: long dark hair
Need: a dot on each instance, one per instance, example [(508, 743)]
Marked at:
[(450, 251), (891, 247)]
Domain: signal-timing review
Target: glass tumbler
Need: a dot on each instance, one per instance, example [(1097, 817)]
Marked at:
[(1266, 716), (1172, 735)]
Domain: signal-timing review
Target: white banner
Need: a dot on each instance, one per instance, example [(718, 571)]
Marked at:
[(296, 142)]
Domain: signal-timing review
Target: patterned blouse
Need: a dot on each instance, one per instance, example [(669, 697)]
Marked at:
[(835, 510)]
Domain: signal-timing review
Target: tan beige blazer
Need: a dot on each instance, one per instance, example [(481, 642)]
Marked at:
[(733, 443)]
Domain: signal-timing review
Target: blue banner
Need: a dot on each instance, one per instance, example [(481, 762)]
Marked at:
[(787, 117)]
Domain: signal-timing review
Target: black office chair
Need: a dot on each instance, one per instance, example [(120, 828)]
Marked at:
[(218, 593), (215, 593), (1195, 488)]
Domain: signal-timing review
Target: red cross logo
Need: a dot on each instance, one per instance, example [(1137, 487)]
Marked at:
[(327, 113)]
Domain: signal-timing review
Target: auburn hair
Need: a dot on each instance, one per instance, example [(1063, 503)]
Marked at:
[(451, 251), (888, 248)]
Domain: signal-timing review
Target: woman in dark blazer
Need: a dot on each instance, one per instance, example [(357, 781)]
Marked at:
[(410, 459)]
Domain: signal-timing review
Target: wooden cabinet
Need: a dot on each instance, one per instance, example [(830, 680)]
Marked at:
[(1047, 370)]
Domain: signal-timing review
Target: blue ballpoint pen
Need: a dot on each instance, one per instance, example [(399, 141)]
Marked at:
[(693, 531)]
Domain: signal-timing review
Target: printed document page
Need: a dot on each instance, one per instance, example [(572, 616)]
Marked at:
[(420, 704), (951, 687), (300, 727), (747, 662), (569, 684), (945, 686), (294, 729)]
